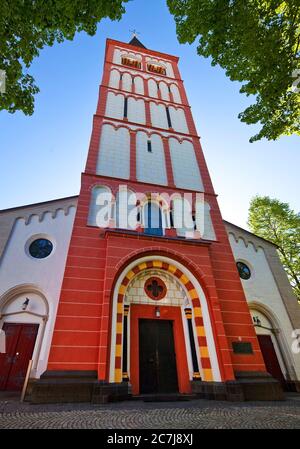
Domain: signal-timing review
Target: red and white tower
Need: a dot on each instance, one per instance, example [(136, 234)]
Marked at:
[(149, 301)]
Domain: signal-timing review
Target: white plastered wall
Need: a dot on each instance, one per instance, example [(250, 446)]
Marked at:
[(115, 105), (175, 93), (139, 85), (126, 82), (185, 167), (114, 79), (136, 110), (164, 91), (178, 120), (262, 290), (158, 115), (150, 167), (114, 152), (22, 276), (152, 88)]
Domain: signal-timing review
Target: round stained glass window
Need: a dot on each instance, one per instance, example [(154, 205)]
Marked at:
[(244, 270), (155, 288), (40, 248)]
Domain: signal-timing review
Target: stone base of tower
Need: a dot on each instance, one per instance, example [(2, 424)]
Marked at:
[(248, 386), (83, 386), (77, 386)]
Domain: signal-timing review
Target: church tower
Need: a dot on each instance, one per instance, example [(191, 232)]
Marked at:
[(151, 298)]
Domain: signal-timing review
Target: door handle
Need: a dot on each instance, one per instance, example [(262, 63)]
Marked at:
[(16, 357)]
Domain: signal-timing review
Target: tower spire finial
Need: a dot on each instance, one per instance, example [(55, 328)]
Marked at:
[(134, 33), (134, 40)]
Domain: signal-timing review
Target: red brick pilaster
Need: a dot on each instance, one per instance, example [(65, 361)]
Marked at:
[(169, 168), (132, 155), (146, 89), (148, 114)]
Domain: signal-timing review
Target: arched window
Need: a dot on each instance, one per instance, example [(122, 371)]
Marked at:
[(182, 216), (203, 221), (131, 60), (156, 67), (152, 215), (126, 209), (100, 207)]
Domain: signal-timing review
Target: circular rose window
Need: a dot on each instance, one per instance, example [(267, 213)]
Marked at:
[(155, 288)]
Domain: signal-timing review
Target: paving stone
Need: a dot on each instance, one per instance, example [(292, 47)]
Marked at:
[(196, 414)]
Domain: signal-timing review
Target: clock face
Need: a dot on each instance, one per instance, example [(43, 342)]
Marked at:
[(155, 288), (40, 248)]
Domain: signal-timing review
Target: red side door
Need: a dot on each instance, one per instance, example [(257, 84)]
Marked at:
[(270, 357), (20, 341)]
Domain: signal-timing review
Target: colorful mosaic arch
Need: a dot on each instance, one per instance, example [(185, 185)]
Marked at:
[(198, 318)]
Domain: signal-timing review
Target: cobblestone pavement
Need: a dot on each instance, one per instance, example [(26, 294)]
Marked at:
[(195, 414)]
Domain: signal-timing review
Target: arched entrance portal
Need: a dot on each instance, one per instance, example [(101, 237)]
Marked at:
[(23, 315), (268, 338), (159, 339)]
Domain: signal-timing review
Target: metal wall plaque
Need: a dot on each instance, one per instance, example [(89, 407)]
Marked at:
[(242, 347)]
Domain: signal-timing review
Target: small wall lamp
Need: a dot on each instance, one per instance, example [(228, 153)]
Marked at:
[(157, 312), (256, 321), (25, 304)]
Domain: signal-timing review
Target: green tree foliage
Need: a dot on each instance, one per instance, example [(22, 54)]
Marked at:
[(276, 222), (26, 26), (257, 42)]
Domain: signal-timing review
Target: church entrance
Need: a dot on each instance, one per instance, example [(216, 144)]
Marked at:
[(157, 361), (20, 341), (270, 358)]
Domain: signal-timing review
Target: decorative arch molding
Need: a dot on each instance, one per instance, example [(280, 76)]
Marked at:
[(162, 134), (166, 103), (134, 264), (41, 215), (96, 184), (136, 96), (157, 251), (122, 70), (155, 198), (130, 54), (246, 241), (21, 289)]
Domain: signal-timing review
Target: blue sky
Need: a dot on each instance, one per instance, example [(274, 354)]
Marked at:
[(42, 156)]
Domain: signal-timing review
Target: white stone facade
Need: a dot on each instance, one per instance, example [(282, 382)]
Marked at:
[(264, 299), (185, 168), (114, 152), (23, 276), (150, 166)]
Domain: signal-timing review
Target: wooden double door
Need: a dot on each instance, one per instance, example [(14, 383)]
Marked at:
[(20, 341), (270, 358), (157, 359)]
